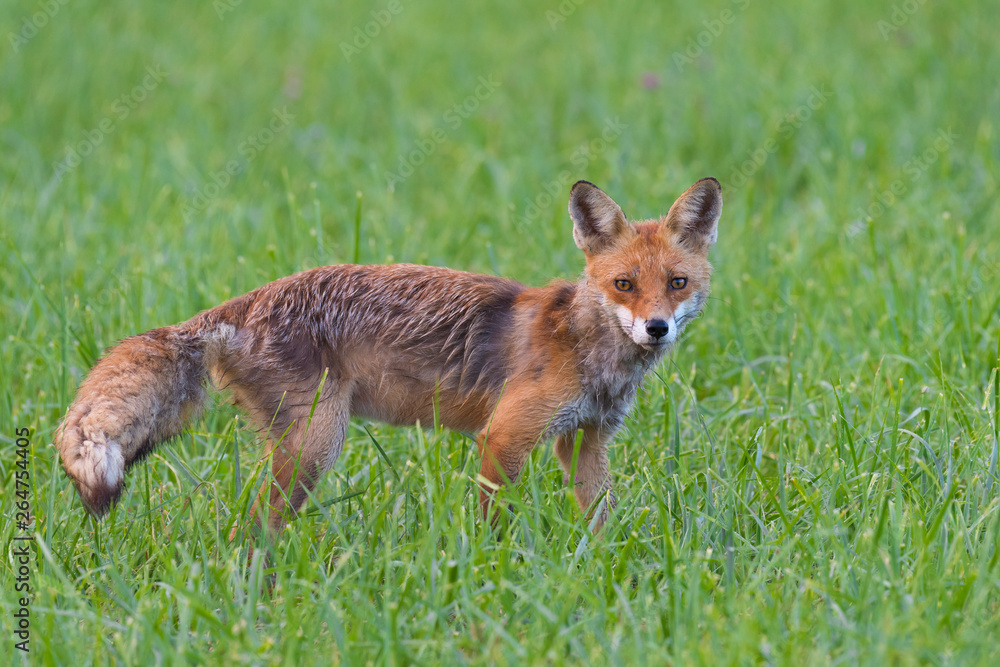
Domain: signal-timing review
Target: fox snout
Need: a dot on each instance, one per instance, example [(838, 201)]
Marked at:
[(655, 333)]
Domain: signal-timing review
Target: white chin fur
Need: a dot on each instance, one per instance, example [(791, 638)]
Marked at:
[(635, 327)]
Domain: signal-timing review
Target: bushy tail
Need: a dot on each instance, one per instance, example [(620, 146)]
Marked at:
[(144, 391)]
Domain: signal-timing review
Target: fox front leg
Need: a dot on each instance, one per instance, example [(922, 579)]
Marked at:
[(592, 481), (518, 424)]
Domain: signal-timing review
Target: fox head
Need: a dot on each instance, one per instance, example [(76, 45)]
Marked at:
[(652, 277)]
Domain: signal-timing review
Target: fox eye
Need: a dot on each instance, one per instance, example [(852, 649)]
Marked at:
[(678, 283), (623, 285)]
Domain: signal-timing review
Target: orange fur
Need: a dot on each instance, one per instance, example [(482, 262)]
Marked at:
[(516, 365)]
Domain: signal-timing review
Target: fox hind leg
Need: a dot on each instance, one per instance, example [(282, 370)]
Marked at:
[(301, 449)]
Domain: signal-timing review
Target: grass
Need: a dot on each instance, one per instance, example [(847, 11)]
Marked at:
[(810, 479)]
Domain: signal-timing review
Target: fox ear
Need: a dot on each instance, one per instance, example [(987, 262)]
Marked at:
[(597, 220), (693, 220)]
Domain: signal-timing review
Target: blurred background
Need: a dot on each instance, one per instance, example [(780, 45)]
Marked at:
[(159, 158), (463, 128)]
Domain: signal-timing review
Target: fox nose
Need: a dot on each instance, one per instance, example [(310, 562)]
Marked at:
[(657, 328)]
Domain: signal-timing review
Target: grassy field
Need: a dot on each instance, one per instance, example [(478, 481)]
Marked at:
[(811, 478)]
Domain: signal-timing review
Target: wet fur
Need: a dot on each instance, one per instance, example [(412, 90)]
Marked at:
[(514, 365)]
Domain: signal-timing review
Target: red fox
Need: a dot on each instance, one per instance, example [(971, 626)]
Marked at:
[(515, 365)]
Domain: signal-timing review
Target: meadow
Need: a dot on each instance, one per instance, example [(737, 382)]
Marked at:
[(810, 478)]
